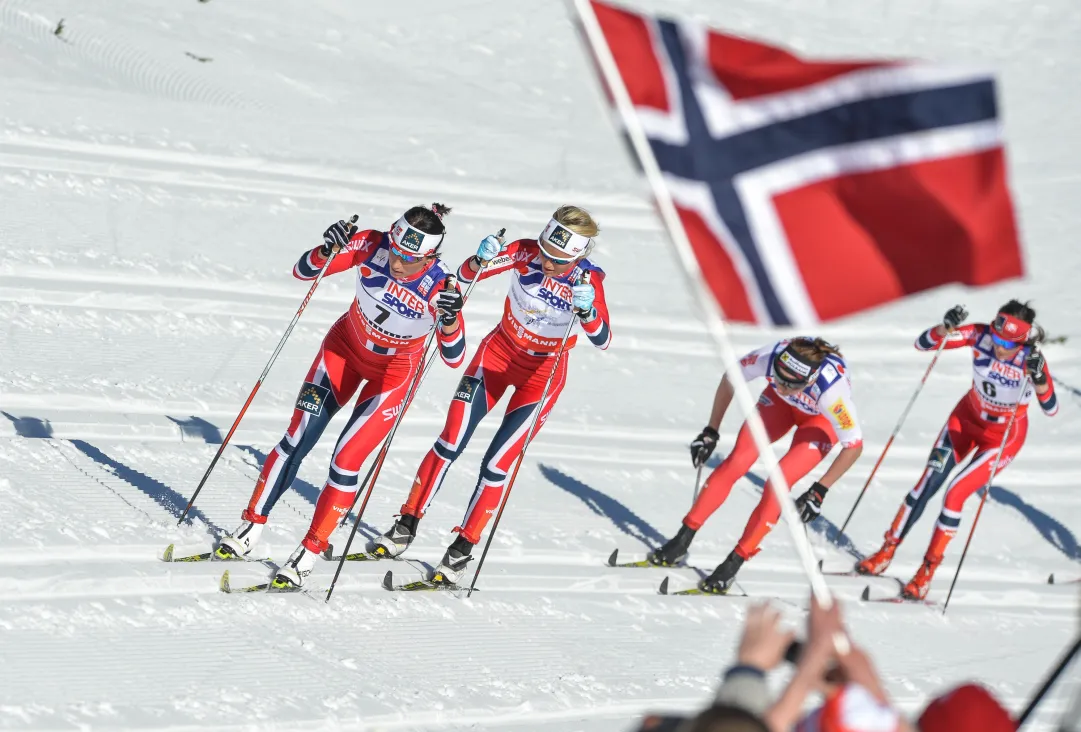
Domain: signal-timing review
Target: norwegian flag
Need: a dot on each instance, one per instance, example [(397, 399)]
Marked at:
[(810, 190)]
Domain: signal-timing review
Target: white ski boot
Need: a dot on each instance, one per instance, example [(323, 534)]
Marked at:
[(397, 539), (451, 569), (240, 543), (291, 575)]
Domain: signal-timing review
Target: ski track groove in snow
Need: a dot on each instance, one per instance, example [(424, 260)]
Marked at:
[(115, 54), (255, 176)]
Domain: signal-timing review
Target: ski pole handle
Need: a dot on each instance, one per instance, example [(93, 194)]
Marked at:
[(583, 280)]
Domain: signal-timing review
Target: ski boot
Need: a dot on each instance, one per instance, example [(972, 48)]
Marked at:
[(723, 577), (452, 567), (291, 575), (674, 550), (397, 539), (240, 543), (920, 585), (878, 562)]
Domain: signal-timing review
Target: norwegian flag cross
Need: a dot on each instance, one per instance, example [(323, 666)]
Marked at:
[(813, 190)]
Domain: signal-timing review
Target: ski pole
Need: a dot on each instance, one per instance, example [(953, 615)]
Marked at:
[(427, 366), (896, 430), (377, 466), (525, 445), (697, 485), (986, 491), (259, 383), (1049, 682)]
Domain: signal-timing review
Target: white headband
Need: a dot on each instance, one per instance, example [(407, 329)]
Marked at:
[(412, 240), (565, 240)]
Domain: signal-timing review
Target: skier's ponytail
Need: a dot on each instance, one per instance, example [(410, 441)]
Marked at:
[(814, 350)]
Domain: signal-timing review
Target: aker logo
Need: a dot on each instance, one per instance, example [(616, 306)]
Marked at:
[(467, 389), (937, 461), (411, 240), (391, 412), (560, 237), (311, 398), (844, 419)]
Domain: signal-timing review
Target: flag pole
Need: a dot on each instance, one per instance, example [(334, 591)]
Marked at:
[(710, 309)]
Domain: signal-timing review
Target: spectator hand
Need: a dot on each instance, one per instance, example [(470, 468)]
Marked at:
[(764, 641)]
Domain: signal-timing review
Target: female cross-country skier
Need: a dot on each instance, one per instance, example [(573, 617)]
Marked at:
[(401, 297), (546, 293), (809, 389), (1002, 354)]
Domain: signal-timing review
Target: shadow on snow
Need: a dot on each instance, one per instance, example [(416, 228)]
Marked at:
[(604, 505), (1051, 529)]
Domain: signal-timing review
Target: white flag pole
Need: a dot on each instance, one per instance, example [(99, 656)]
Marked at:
[(714, 322)]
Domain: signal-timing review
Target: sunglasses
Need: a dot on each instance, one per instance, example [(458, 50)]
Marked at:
[(555, 260), (1002, 342), (407, 258)]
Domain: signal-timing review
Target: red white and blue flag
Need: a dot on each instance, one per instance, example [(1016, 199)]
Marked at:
[(810, 190)]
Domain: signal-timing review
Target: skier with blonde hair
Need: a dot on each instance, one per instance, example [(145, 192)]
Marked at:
[(547, 291)]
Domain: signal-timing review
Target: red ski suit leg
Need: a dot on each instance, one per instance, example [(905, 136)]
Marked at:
[(341, 365), (977, 473), (381, 399), (330, 382), (964, 433), (496, 366), (778, 418), (811, 442)]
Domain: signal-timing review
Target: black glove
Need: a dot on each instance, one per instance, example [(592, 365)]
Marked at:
[(810, 503), (703, 445), (337, 236), (954, 317), (1034, 364), (451, 303)]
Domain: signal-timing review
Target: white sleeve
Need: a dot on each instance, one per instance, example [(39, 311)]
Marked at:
[(755, 364), (837, 404)]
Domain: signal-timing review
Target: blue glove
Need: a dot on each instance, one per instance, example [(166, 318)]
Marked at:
[(582, 298), (489, 248)]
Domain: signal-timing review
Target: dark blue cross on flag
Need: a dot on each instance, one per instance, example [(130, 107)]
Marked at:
[(811, 190)]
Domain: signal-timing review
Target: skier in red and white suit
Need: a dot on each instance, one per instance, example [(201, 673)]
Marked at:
[(545, 294), (809, 389), (1003, 354), (401, 297)]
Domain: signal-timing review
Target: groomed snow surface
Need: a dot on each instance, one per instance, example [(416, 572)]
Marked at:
[(151, 208)]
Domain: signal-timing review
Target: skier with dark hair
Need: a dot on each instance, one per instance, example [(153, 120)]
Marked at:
[(1007, 369), (401, 297)]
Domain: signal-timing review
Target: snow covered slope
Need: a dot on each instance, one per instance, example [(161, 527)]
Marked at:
[(163, 164)]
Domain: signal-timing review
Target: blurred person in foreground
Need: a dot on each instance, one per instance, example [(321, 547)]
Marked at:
[(854, 699)]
